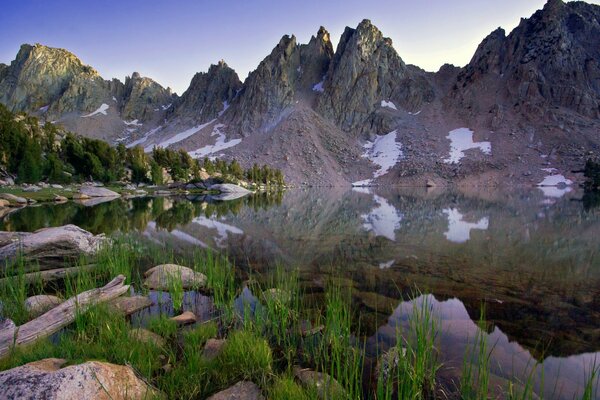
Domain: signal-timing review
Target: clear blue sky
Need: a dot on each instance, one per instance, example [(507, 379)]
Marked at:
[(169, 41)]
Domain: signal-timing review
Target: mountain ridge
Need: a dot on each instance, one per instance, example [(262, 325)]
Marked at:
[(525, 93)]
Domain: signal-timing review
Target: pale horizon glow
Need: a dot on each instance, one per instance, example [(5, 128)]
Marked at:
[(170, 42)]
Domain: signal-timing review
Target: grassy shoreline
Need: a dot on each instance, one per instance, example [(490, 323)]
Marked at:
[(266, 338)]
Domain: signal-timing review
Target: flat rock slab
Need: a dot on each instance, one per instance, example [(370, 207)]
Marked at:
[(51, 247), (91, 380), (146, 336), (213, 348), (7, 238), (165, 276), (326, 387), (93, 191), (229, 188), (129, 305), (186, 318), (243, 390), (40, 304)]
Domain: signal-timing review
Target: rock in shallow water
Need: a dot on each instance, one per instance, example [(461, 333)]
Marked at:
[(91, 380), (93, 191), (165, 276)]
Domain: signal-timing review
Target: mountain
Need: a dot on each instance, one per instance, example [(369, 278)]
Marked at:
[(527, 103)]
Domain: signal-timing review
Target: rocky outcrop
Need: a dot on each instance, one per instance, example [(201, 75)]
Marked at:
[(550, 60), (324, 386), (365, 71), (164, 276), (209, 94), (51, 247), (142, 98), (271, 89), (94, 191), (91, 380)]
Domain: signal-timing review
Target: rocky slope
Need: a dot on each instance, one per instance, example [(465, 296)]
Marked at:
[(530, 101)]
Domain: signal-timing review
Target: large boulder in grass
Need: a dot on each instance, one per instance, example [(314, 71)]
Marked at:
[(94, 191), (165, 276), (324, 385), (12, 199), (243, 390), (40, 304), (51, 247), (46, 379)]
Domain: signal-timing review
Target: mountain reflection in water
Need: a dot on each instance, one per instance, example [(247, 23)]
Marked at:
[(529, 257)]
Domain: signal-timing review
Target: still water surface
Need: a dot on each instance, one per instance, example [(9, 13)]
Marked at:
[(531, 258)]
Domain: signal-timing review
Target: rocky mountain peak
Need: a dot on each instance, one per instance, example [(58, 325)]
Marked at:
[(366, 70), (208, 95), (142, 96)]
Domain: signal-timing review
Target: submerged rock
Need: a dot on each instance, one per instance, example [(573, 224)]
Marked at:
[(164, 276), (51, 247), (243, 390), (91, 380), (40, 304)]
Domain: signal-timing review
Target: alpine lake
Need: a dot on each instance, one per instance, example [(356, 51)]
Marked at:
[(518, 268)]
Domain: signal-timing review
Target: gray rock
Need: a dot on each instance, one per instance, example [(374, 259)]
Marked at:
[(56, 186), (229, 188), (185, 318), (90, 380), (325, 386), (240, 391), (95, 191), (31, 188), (51, 247), (40, 304), (161, 277), (212, 348), (146, 336), (13, 199)]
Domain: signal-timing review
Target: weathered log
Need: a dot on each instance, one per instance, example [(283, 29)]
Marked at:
[(51, 275), (60, 316)]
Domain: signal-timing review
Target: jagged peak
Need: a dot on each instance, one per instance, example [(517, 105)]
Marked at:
[(553, 5), (323, 34)]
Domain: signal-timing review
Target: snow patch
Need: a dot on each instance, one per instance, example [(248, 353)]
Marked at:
[(415, 113), (555, 185), (223, 229), (220, 144), (386, 265), (144, 138), (318, 87), (166, 106), (183, 135), (388, 104), (462, 139), (225, 107), (459, 231), (384, 151), (101, 110), (362, 184), (382, 220), (134, 123), (555, 180), (44, 109), (186, 237), (114, 99), (555, 192), (361, 188)]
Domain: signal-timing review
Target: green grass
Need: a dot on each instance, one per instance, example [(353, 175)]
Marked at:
[(286, 388)]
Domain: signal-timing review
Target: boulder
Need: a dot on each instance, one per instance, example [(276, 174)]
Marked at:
[(51, 247), (161, 277), (80, 196), (129, 305), (243, 390), (7, 325), (144, 335), (46, 379), (31, 188), (162, 192), (325, 386), (185, 318), (13, 199), (7, 238), (60, 199), (229, 188), (97, 191), (40, 304), (212, 348), (55, 186), (4, 203)]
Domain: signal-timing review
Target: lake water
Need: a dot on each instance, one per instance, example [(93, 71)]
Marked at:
[(530, 258)]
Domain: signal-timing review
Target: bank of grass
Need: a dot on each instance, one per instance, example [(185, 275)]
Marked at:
[(266, 341)]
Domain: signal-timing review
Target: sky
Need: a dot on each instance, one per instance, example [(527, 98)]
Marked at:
[(170, 41)]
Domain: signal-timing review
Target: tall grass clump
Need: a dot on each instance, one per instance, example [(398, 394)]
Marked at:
[(14, 290), (475, 378), (220, 276)]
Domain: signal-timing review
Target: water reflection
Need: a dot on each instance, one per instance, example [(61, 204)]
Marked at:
[(533, 264)]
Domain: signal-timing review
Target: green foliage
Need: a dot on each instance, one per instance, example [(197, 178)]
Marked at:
[(592, 174)]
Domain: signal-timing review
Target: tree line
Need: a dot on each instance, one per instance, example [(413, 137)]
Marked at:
[(35, 153)]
